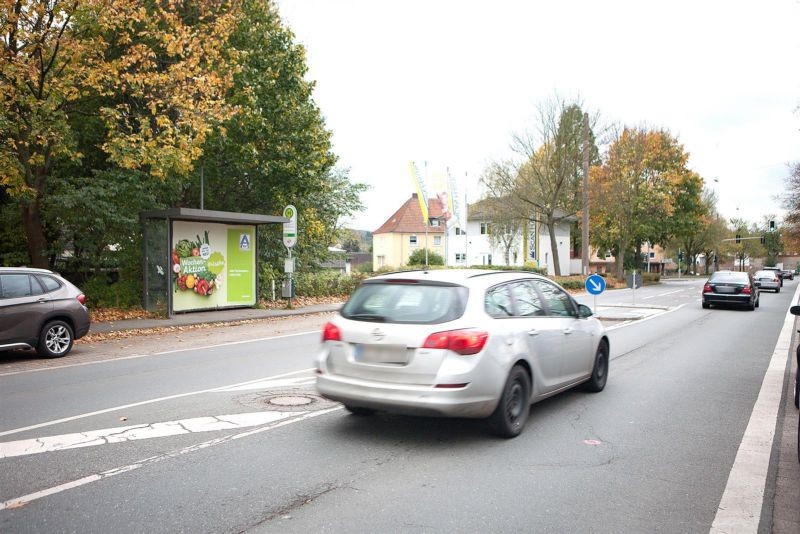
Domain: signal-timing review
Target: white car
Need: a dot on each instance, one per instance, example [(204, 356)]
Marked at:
[(460, 343), (768, 279)]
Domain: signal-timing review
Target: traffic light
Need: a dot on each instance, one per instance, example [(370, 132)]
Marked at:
[(763, 240), (771, 226), (738, 238), (680, 255)]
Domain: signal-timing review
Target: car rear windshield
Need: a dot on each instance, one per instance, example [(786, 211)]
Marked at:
[(736, 278), (406, 302), (764, 274)]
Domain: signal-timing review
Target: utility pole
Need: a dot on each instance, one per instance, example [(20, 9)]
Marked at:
[(585, 223)]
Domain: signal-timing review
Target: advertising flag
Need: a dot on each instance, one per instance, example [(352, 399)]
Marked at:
[(422, 191)]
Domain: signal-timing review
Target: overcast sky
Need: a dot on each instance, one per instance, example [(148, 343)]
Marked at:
[(449, 82)]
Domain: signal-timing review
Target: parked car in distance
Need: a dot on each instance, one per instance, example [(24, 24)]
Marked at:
[(730, 288), (767, 280), (460, 343), (40, 310), (787, 274)]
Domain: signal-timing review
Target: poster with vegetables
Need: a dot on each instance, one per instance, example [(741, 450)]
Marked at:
[(206, 259)]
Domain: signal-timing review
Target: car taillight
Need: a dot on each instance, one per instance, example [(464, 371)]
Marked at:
[(331, 332), (707, 289), (464, 342), (81, 298), (746, 290)]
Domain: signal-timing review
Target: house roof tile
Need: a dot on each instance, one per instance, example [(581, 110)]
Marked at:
[(408, 219)]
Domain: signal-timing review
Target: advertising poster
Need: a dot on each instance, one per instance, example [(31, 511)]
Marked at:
[(213, 265)]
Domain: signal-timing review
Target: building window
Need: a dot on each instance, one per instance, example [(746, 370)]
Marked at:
[(437, 241), (381, 261), (461, 257), (484, 228), (652, 254), (459, 231), (412, 240)]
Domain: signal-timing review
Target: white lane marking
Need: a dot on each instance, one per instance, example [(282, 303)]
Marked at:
[(142, 403), (669, 293), (134, 356), (639, 321), (122, 434), (650, 297), (266, 384), (19, 502), (740, 507), (317, 332)]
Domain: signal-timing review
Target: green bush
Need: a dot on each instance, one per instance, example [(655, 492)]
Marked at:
[(570, 282), (650, 278), (326, 284), (101, 293), (418, 258)]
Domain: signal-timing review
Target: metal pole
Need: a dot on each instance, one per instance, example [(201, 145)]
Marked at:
[(585, 222), (202, 187)]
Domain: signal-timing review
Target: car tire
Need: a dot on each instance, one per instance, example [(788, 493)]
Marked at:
[(55, 340), (597, 382), (358, 410), (778, 290), (706, 305), (751, 306), (511, 414)]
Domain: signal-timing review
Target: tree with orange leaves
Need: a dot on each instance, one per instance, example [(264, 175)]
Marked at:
[(155, 72), (633, 193)]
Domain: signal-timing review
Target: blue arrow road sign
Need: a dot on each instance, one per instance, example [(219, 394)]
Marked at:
[(595, 284)]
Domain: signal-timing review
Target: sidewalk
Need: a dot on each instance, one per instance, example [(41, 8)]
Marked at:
[(208, 317), (604, 313)]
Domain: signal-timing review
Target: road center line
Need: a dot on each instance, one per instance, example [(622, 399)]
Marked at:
[(740, 507), (149, 401), (669, 292), (26, 499)]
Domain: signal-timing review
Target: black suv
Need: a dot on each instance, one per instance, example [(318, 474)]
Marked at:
[(39, 309)]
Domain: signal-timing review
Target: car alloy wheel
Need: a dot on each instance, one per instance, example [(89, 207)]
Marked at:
[(56, 340)]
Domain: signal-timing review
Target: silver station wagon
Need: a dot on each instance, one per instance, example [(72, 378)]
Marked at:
[(460, 343)]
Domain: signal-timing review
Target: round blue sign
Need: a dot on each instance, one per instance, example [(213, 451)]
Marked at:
[(595, 284)]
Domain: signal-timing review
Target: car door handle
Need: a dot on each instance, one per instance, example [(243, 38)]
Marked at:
[(41, 301), (567, 331), (533, 332)]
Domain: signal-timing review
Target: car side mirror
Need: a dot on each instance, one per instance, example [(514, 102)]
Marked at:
[(585, 311), (794, 310)]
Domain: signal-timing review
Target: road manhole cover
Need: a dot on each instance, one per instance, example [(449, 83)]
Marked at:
[(291, 400)]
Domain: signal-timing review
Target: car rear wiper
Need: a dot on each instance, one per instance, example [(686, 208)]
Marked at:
[(367, 317)]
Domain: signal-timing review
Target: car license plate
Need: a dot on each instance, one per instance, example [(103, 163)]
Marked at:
[(387, 354), (725, 289)]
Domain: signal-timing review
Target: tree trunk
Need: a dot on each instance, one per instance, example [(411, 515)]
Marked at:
[(34, 232), (619, 259), (551, 230)]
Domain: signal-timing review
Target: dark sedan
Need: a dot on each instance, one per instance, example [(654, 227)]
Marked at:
[(730, 288)]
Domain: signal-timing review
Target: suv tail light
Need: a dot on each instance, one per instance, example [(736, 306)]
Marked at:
[(82, 299), (707, 289), (464, 342), (331, 332)]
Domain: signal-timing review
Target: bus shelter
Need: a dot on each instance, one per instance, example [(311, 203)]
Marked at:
[(200, 260)]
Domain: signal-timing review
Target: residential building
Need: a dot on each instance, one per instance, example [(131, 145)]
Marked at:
[(405, 232), (485, 242)]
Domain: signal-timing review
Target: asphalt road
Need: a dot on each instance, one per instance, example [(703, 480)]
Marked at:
[(230, 437)]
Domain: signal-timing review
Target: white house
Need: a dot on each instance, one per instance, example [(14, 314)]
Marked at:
[(485, 243)]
